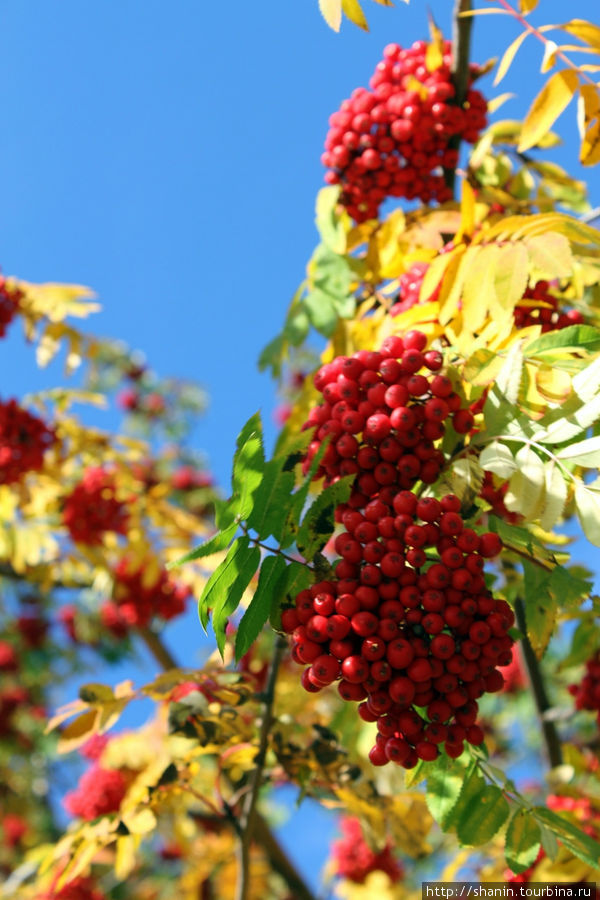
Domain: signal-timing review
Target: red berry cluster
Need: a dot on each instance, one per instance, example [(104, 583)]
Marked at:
[(407, 625), (92, 508), (8, 657), (23, 441), (15, 828), (410, 287), (80, 888), (354, 859), (543, 310), (514, 676), (392, 140), (10, 298), (587, 694), (135, 602), (399, 411), (495, 497), (98, 793), (187, 478)]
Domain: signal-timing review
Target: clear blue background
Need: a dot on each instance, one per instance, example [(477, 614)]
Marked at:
[(167, 155)]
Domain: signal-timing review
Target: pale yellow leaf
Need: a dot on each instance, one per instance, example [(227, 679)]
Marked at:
[(587, 502), (141, 822), (434, 275), (547, 107), (526, 488), (550, 255), (478, 294), (508, 57), (467, 211), (553, 384), (353, 10), (331, 10), (510, 280), (499, 101), (452, 287), (585, 31), (125, 856)]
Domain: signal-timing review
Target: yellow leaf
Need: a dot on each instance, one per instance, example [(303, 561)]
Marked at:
[(549, 58), (78, 731), (508, 57), (478, 295), (434, 275), (497, 102), (553, 384), (527, 487), (590, 146), (550, 255), (452, 287), (467, 211), (588, 106), (353, 10), (331, 10), (125, 855), (510, 280), (547, 107), (527, 6), (585, 31), (141, 822)]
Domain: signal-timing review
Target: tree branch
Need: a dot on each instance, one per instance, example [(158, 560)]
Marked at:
[(550, 735), (461, 49)]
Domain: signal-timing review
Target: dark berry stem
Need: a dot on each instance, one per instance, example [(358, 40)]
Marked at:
[(542, 702)]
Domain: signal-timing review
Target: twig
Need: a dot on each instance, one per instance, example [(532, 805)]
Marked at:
[(461, 47), (158, 650), (551, 739), (249, 807)]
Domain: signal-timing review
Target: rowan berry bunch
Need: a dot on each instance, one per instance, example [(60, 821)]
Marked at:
[(495, 497), (23, 441), (14, 829), (10, 298), (410, 288), (99, 792), (382, 415), (543, 310), (80, 888), (393, 140), (587, 693), (354, 859), (407, 625), (92, 508), (135, 603)]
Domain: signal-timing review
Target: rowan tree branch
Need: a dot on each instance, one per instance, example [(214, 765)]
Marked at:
[(461, 50), (542, 702)]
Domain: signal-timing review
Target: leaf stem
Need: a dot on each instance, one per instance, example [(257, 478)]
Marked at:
[(275, 551), (536, 679)]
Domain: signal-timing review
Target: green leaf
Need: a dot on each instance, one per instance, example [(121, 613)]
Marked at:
[(444, 785), (298, 577), (574, 417), (572, 837), (498, 458), (321, 311), (329, 224), (526, 488), (223, 590), (484, 818), (297, 325), (584, 643), (522, 841), (299, 498), (472, 789), (215, 544), (271, 356), (272, 577), (540, 607), (585, 453), (574, 338), (508, 380), (272, 500), (248, 465), (587, 503), (318, 522)]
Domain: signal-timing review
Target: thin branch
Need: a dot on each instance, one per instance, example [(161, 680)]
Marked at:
[(161, 654), (249, 807), (461, 48), (549, 732)]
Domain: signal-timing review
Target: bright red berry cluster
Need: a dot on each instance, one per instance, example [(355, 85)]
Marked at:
[(92, 508), (187, 478), (587, 694), (407, 625), (23, 441), (399, 411), (135, 602), (542, 309), (354, 859), (10, 298), (14, 828), (98, 793), (393, 140), (81, 888)]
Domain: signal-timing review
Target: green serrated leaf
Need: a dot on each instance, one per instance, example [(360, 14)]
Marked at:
[(217, 543), (540, 607), (318, 522), (573, 339), (321, 311), (584, 453), (584, 643), (445, 782), (523, 838), (223, 590), (248, 466), (472, 788), (577, 841), (299, 498), (272, 500), (484, 817), (270, 581), (328, 222)]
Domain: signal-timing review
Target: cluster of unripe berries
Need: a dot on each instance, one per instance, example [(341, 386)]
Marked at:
[(135, 602), (354, 860), (92, 508), (544, 310), (393, 140), (10, 298), (24, 438), (382, 412), (407, 625), (587, 692)]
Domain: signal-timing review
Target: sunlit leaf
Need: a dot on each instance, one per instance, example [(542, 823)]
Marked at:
[(547, 107)]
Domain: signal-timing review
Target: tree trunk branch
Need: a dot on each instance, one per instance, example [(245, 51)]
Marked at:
[(542, 702), (461, 50)]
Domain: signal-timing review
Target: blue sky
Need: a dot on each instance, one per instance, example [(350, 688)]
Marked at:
[(167, 155)]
